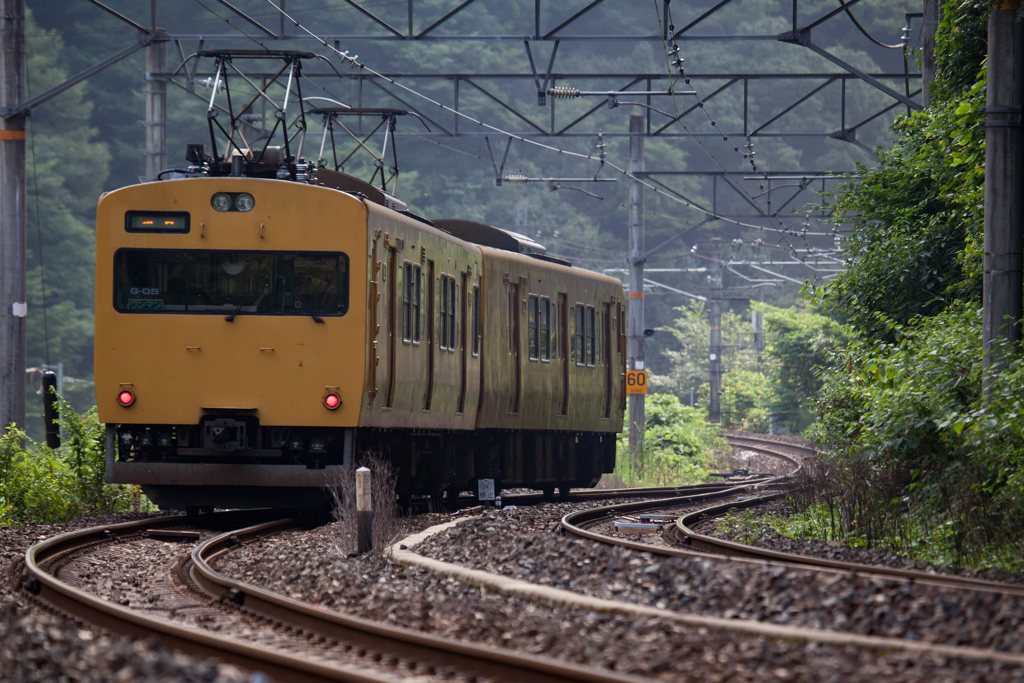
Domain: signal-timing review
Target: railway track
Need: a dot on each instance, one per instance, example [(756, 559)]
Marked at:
[(190, 606), (680, 540)]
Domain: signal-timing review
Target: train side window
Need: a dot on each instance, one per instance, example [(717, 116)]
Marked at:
[(417, 299), (407, 294), (532, 328), (544, 323), (591, 341), (476, 321), (443, 337), (453, 291), (581, 327)]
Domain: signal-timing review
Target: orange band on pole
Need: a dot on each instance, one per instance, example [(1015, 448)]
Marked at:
[(636, 295), (12, 135)]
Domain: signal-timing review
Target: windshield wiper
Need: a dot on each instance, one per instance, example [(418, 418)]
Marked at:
[(231, 318), (308, 309)]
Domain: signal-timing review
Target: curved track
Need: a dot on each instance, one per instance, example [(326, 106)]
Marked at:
[(581, 523), (287, 639), (680, 540)]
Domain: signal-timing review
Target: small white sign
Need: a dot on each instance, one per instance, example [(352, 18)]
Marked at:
[(485, 489), (20, 309), (713, 357), (638, 365)]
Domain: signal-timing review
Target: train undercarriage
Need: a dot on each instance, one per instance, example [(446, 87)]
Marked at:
[(233, 461)]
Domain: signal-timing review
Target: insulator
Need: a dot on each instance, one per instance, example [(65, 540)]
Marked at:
[(515, 179), (564, 92), (208, 84)]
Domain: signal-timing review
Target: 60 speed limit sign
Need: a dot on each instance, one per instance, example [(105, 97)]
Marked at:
[(636, 381)]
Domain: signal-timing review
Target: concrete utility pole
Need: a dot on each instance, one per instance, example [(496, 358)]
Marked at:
[(156, 100), (635, 310), (1004, 184), (13, 306), (715, 318), (930, 25)]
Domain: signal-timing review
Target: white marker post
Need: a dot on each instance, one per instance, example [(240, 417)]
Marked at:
[(364, 511)]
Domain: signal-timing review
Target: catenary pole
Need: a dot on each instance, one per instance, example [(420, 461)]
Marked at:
[(715, 346), (156, 99), (635, 310), (1004, 185), (13, 306), (930, 25)]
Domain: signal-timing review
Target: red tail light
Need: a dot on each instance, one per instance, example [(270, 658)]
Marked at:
[(126, 397), (332, 401)]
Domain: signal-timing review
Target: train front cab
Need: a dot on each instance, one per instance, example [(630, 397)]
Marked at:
[(230, 338)]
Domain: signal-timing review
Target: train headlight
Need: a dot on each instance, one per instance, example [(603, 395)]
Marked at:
[(244, 202), (221, 202), (332, 400), (126, 397)]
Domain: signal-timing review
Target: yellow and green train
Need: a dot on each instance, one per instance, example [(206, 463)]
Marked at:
[(255, 334)]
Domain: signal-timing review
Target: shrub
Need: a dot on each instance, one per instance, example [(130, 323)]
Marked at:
[(677, 447), (42, 485), (913, 448)]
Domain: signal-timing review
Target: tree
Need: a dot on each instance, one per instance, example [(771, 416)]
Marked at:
[(67, 168)]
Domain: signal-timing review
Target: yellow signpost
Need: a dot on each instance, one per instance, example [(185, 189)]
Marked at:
[(636, 381)]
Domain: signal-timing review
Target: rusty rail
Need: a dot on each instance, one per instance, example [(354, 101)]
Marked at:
[(504, 665)]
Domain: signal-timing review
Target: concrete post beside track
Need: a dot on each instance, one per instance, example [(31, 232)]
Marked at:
[(929, 26), (1004, 186), (715, 342), (364, 511), (635, 310), (13, 300)]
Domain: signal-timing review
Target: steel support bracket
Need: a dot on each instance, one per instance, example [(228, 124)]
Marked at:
[(1012, 117), (798, 37)]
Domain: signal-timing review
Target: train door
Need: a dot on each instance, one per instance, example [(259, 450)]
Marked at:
[(621, 318), (371, 384), (563, 341), (606, 320), (513, 340), (391, 278), (463, 305), (431, 351)]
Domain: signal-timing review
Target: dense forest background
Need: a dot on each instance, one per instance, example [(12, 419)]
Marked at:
[(90, 139)]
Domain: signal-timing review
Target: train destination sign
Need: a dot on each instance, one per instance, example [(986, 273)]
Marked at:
[(157, 221), (636, 381)]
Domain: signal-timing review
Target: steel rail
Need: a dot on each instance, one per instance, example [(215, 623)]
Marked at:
[(575, 523), (605, 494), (722, 547), (701, 545), (279, 664), (482, 660)]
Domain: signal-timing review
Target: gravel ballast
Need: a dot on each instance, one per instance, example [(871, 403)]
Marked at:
[(36, 645), (303, 566)]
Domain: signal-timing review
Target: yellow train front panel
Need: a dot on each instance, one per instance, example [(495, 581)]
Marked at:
[(163, 298)]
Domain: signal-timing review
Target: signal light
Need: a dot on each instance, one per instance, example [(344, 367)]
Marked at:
[(332, 401), (126, 397)]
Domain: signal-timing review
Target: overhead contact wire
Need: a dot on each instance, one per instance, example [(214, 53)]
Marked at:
[(355, 63)]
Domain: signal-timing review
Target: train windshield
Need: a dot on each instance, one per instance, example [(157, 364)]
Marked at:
[(231, 282)]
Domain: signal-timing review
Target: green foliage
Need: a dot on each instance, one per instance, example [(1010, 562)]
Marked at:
[(744, 390), (798, 343), (913, 448), (67, 169), (917, 457), (41, 485), (678, 445), (916, 220), (740, 525)]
